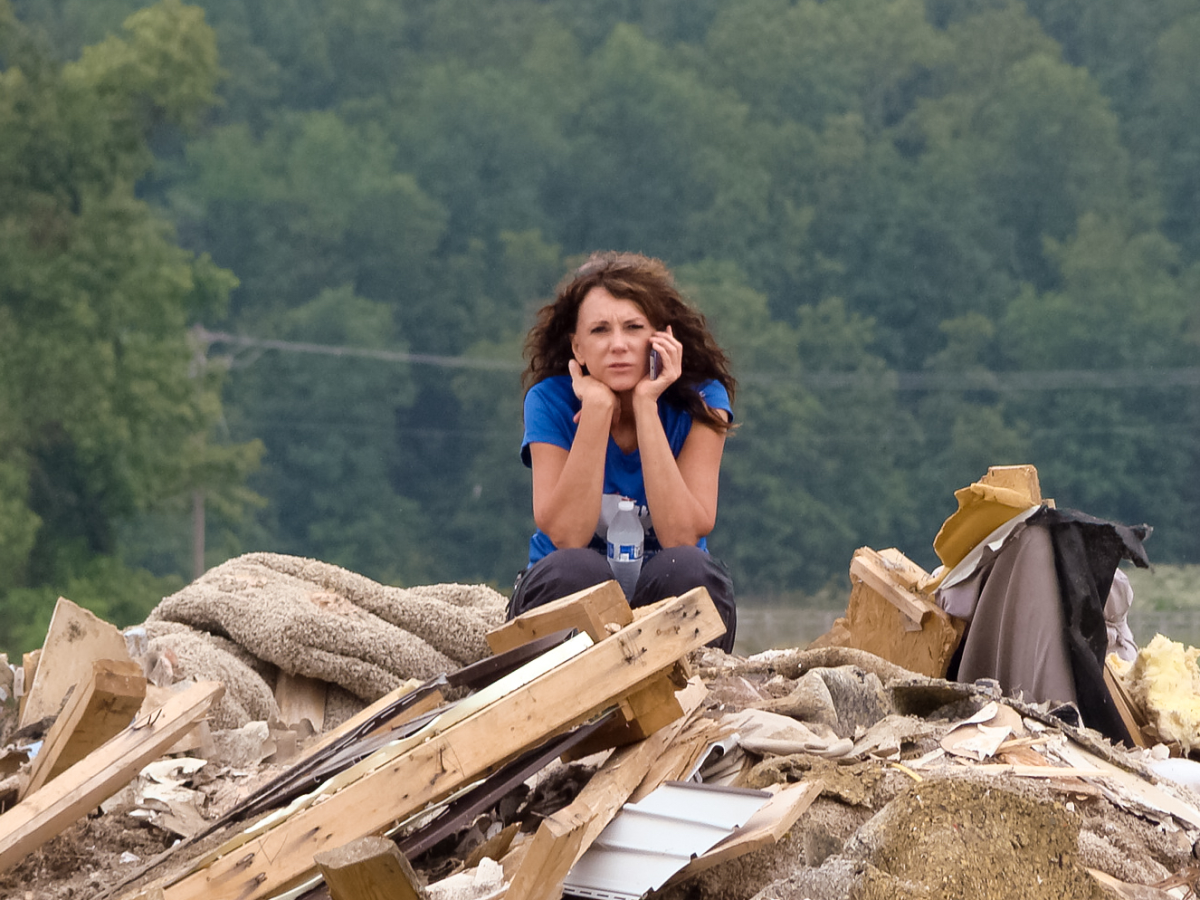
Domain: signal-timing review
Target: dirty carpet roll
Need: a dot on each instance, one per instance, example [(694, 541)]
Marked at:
[(317, 620)]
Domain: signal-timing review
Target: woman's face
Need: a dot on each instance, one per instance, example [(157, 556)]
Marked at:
[(612, 339)]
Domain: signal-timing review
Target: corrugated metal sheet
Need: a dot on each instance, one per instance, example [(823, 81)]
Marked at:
[(648, 842)]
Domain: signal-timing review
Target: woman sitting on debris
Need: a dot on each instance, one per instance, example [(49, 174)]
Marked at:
[(600, 427)]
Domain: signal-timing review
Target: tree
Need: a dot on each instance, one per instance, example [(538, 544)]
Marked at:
[(329, 426), (1123, 309), (806, 479), (104, 414)]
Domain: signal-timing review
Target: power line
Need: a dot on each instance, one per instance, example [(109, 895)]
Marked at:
[(999, 382), (428, 359)]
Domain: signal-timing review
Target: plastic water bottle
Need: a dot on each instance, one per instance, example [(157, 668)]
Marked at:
[(625, 541)]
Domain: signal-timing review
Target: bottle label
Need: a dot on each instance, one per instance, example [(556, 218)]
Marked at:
[(624, 552)]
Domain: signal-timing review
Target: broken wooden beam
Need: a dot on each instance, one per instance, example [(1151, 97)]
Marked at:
[(591, 611), (564, 836), (568, 694), (98, 709), (101, 774), (640, 715), (554, 849), (369, 868), (597, 611)]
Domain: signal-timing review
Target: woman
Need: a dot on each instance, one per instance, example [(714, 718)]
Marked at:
[(599, 428)]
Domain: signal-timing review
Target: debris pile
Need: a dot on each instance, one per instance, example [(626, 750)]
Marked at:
[(284, 728)]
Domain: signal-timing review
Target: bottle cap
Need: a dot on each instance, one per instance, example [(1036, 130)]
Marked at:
[(625, 505)]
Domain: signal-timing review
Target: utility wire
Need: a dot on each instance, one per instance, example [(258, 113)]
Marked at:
[(460, 362), (1047, 380)]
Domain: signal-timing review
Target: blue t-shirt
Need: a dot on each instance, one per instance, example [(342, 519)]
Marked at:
[(550, 408)]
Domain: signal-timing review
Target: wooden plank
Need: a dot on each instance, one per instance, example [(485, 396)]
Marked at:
[(868, 566), (432, 701), (1127, 708), (1131, 785), (75, 639), (564, 696), (98, 709), (590, 611), (765, 827), (554, 849), (369, 868), (29, 666), (300, 697), (564, 836), (642, 713), (98, 776)]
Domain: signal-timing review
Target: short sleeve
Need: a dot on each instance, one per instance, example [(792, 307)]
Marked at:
[(549, 415), (716, 397)]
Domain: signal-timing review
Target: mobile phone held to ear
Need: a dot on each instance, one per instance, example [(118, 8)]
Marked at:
[(655, 364)]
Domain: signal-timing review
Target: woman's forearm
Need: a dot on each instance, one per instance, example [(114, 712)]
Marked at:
[(681, 493), (568, 485)]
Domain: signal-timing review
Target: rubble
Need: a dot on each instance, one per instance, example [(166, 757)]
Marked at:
[(301, 731)]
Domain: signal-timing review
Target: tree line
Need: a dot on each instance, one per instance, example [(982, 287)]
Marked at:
[(274, 263)]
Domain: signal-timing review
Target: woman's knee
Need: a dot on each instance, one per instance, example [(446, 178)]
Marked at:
[(557, 575), (676, 570)]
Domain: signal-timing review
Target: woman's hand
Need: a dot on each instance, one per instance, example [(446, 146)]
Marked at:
[(592, 392), (670, 365)]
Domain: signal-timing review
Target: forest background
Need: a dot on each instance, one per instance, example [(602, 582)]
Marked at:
[(266, 267)]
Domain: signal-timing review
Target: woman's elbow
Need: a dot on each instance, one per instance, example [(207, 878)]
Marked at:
[(563, 536), (685, 535)]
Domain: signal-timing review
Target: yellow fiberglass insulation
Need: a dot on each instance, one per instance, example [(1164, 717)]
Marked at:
[(1165, 681)]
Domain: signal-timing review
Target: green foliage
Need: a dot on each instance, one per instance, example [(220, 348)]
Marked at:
[(892, 211), (328, 423), (115, 592), (105, 413)]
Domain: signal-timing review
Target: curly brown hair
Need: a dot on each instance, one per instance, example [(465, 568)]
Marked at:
[(648, 283)]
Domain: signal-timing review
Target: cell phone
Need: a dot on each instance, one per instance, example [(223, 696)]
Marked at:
[(655, 364)]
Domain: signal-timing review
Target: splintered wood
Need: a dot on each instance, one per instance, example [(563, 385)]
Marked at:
[(282, 854), (98, 709), (888, 616), (98, 776)]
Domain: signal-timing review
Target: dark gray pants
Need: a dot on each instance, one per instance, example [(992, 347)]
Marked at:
[(669, 573)]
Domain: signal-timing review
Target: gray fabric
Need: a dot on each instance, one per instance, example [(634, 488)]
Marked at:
[(1017, 634)]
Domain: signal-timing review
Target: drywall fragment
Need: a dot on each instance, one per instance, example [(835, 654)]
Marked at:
[(980, 736), (484, 882)]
